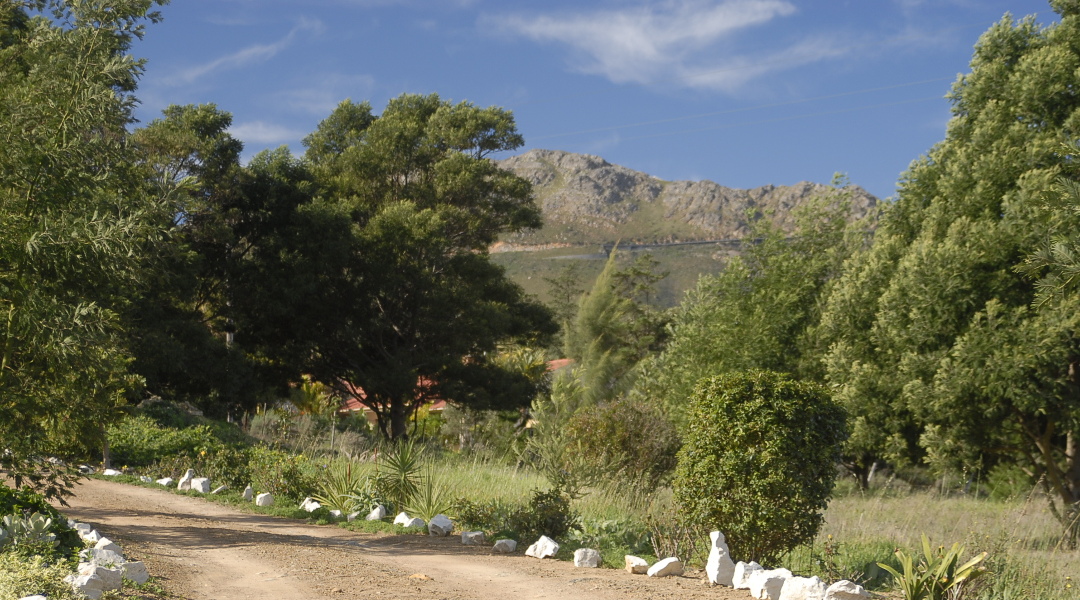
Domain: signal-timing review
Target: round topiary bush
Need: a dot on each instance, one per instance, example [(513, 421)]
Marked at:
[(758, 461)]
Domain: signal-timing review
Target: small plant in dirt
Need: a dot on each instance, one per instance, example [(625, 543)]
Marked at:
[(936, 575), (759, 461)]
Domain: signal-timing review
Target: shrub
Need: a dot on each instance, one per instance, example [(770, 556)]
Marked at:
[(138, 441), (281, 474), (23, 503), (548, 514), (21, 576), (759, 461), (630, 441)]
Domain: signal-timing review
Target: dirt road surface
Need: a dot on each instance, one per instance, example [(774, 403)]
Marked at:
[(200, 550)]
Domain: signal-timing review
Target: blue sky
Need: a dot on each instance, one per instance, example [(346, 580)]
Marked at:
[(740, 92)]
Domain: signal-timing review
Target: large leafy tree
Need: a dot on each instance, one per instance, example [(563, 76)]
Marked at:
[(411, 203), (935, 349), (761, 311), (74, 219)]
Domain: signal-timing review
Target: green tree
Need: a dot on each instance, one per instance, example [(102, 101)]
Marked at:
[(74, 220), (416, 309), (930, 329), (762, 311), (758, 461)]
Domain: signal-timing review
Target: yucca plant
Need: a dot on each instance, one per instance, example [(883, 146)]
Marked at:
[(397, 473), (429, 500), (935, 576), (343, 488)]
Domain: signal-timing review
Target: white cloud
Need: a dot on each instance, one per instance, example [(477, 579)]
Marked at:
[(255, 53), (261, 132), (649, 43)]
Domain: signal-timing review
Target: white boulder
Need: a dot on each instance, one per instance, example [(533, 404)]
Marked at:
[(402, 519), (543, 548), (136, 571), (264, 499), (310, 505), (473, 538), (766, 585), (586, 557), (440, 526), (351, 516), (720, 568), (112, 578), (185, 481), (107, 544), (92, 537), (101, 557), (201, 485), (146, 479), (336, 514), (504, 546), (416, 522), (666, 568), (378, 513), (219, 489), (83, 529), (111, 472), (165, 481), (845, 590), (90, 586), (803, 588), (248, 494), (740, 580), (636, 565)]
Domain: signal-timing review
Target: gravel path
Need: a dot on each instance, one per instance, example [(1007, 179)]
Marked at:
[(201, 550)]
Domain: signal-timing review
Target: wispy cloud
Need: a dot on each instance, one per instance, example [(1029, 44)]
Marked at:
[(327, 91), (256, 53), (648, 43), (261, 132)]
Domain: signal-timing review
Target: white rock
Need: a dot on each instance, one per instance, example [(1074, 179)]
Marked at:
[(666, 568), (586, 557), (803, 588), (185, 481), (90, 586), (87, 470), (248, 494), (111, 472), (201, 485), (136, 571), (310, 505), (543, 547), (112, 578), (504, 546), (416, 522), (165, 481), (107, 544), (101, 557), (336, 514), (379, 513), (36, 597), (720, 568), (264, 499), (146, 479), (740, 580), (440, 526), (402, 519), (473, 538), (219, 489), (92, 537), (351, 516), (636, 565), (766, 585), (845, 590), (82, 528)]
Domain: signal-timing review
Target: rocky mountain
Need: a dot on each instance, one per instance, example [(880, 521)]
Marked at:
[(587, 200)]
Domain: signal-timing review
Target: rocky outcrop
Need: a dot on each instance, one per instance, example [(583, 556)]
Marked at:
[(587, 200)]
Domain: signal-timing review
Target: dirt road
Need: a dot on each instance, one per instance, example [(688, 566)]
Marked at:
[(200, 550)]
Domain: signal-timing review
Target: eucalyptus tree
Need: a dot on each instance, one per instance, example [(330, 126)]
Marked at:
[(75, 218)]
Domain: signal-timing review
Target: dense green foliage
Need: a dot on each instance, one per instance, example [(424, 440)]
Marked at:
[(758, 461), (934, 346), (23, 503)]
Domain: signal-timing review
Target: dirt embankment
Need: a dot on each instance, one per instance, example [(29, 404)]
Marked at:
[(201, 550)]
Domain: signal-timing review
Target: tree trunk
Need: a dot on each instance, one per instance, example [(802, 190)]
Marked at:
[(398, 420)]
